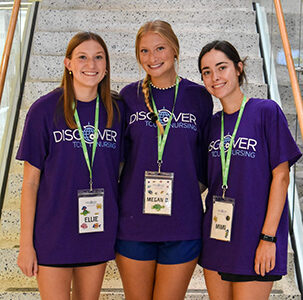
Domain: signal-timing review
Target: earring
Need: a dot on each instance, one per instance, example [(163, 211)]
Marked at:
[(70, 72)]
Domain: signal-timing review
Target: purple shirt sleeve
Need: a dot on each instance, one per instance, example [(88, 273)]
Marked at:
[(35, 139), (281, 145)]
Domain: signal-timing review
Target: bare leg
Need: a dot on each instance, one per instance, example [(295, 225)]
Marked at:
[(87, 282), (54, 283), (217, 288), (252, 290), (137, 277), (172, 280)]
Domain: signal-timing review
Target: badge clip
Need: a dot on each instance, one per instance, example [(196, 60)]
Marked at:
[(91, 184), (224, 188), (159, 162)]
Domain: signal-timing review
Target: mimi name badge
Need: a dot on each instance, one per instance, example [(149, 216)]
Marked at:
[(222, 217)]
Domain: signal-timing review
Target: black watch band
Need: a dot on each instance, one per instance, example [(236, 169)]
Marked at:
[(268, 238)]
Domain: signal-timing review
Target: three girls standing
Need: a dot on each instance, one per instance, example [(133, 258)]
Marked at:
[(159, 234)]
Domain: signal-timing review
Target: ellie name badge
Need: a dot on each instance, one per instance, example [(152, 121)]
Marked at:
[(158, 190), (91, 210), (222, 218)]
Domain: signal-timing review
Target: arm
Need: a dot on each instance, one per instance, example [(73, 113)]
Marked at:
[(27, 260), (266, 251)]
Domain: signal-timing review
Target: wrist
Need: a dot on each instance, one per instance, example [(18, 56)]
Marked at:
[(268, 238)]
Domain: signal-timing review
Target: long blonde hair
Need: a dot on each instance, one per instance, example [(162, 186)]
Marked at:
[(104, 91), (165, 31)]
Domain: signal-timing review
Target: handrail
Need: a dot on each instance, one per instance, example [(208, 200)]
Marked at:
[(290, 64), (8, 44)]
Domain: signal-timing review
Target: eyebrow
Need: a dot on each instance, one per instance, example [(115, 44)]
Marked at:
[(218, 64), (157, 45), (99, 52)]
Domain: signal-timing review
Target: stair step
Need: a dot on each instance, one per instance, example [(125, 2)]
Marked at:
[(141, 5), (123, 43), (130, 21)]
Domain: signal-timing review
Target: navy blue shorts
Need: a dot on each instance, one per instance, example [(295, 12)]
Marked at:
[(74, 265), (166, 253), (244, 278)]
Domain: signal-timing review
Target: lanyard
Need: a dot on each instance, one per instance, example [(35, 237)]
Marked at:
[(84, 148), (162, 139), (225, 162)]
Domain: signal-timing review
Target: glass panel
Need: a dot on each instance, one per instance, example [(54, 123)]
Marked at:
[(12, 85), (13, 70), (294, 21), (293, 18)]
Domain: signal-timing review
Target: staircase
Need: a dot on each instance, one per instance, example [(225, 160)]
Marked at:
[(195, 22)]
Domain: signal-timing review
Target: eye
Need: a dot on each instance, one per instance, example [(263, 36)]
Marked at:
[(221, 68), (143, 51), (160, 48), (99, 57), (205, 73), (82, 57)]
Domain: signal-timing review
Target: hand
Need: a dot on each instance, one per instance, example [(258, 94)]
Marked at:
[(27, 261), (265, 258)]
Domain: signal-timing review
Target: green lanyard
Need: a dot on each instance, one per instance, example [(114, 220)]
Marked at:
[(162, 139), (225, 162), (84, 148)]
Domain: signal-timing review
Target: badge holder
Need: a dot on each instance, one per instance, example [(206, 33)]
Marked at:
[(158, 190), (91, 210), (222, 217)]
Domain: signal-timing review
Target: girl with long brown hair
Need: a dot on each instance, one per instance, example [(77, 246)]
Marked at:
[(71, 152)]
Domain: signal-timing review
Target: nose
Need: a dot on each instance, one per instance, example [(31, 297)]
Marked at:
[(215, 76), (90, 63), (152, 56)]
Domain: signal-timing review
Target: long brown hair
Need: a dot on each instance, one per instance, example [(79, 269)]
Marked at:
[(165, 31), (104, 91)]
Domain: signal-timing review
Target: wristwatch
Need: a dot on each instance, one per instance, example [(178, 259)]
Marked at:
[(268, 238)]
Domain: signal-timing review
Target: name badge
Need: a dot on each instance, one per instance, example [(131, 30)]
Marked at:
[(91, 210), (222, 217), (158, 191)]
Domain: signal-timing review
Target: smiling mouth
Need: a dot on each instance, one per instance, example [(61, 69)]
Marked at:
[(217, 86), (90, 73), (155, 66)]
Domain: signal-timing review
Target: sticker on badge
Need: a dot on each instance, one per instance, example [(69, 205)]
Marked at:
[(222, 217), (158, 190), (91, 210)]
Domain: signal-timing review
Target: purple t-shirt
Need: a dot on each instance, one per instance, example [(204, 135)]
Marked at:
[(48, 144), (263, 141), (193, 110)]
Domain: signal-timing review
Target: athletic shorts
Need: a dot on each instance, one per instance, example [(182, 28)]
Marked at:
[(243, 278), (74, 265), (166, 253)]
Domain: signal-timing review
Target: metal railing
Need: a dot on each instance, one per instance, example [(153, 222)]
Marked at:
[(16, 66), (8, 44), (269, 54)]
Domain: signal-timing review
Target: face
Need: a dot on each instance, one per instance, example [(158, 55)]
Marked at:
[(219, 74), (157, 57), (88, 65)]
